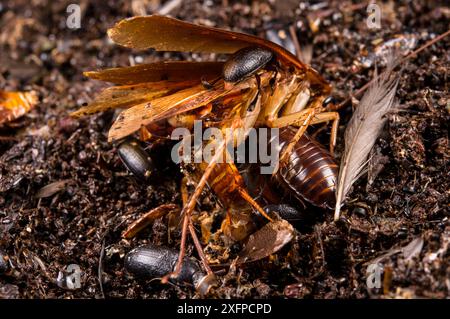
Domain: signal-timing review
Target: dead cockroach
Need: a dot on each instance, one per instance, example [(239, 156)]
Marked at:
[(262, 84), (309, 174)]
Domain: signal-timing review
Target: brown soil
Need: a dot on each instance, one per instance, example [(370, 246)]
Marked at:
[(408, 199)]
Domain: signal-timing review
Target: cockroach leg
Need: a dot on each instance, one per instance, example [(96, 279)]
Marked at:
[(325, 117), (300, 119), (189, 207), (198, 246), (144, 134), (148, 218)]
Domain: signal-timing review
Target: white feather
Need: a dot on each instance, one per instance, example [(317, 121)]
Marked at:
[(362, 132)]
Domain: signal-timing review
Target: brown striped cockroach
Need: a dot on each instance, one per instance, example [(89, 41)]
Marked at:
[(310, 173)]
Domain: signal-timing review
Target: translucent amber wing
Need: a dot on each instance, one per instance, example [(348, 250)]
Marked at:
[(15, 104), (130, 120), (159, 71), (168, 34), (130, 95)]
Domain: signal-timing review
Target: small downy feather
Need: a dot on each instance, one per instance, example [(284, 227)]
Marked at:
[(362, 132)]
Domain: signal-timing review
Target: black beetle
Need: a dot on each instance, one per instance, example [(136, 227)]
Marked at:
[(328, 101), (301, 219), (285, 211), (135, 158), (150, 261), (245, 62)]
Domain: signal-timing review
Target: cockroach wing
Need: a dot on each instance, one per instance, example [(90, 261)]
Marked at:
[(133, 118), (168, 34), (15, 104), (130, 120), (159, 71), (126, 96)]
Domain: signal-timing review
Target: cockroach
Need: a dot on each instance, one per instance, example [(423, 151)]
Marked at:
[(310, 173), (150, 261), (261, 85)]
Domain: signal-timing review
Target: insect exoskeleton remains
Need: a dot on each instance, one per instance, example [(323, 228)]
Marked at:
[(308, 174)]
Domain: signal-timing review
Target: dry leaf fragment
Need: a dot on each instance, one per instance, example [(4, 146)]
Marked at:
[(15, 104), (267, 241)]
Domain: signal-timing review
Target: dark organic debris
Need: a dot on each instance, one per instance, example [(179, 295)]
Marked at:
[(3, 262)]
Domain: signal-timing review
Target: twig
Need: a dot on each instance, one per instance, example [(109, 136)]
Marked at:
[(169, 6), (100, 266)]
